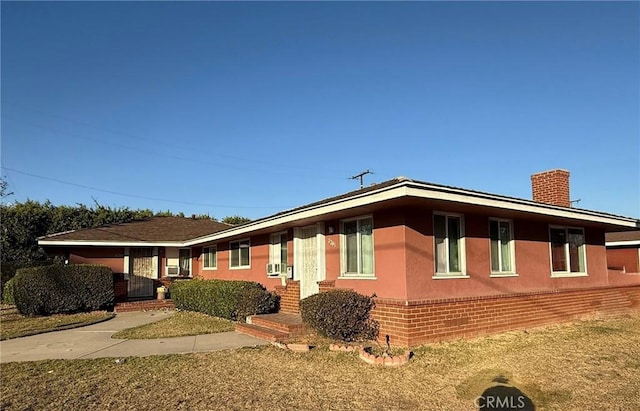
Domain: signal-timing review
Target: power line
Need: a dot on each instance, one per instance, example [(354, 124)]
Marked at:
[(155, 143), (132, 195)]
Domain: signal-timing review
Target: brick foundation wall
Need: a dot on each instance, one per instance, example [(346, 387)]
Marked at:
[(410, 323), (289, 297)]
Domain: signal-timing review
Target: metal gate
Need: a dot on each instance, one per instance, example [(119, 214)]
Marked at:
[(141, 273)]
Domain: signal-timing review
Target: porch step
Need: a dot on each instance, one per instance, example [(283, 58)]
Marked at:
[(290, 323), (263, 333), (145, 305), (273, 327)]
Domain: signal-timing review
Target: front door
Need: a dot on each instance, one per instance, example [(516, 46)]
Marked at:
[(141, 273), (308, 267)]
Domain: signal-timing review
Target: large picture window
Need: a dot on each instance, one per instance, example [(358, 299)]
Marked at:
[(210, 258), (501, 235), (449, 244), (240, 254), (357, 243), (568, 253)]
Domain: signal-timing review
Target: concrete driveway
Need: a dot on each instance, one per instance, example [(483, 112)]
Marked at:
[(94, 341)]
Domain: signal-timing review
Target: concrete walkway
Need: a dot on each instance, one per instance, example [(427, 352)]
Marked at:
[(94, 341)]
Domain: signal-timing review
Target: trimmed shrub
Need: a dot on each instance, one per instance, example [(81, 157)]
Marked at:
[(222, 298), (253, 300), (340, 314), (58, 289), (8, 291), (8, 271)]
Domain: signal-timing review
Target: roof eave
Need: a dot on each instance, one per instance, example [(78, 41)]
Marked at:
[(410, 188), (91, 243)]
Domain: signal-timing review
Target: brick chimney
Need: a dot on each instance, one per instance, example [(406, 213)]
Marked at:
[(551, 187)]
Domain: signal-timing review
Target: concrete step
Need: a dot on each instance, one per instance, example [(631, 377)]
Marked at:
[(267, 334)]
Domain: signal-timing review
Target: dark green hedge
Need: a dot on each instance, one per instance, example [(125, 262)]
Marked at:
[(340, 314), (57, 289), (233, 300)]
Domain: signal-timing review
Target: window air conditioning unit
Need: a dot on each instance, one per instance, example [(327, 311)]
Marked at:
[(172, 271), (273, 269)]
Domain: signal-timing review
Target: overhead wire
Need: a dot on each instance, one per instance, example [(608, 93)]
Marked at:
[(245, 161), (135, 195)]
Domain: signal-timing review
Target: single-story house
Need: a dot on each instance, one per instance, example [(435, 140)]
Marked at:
[(623, 251), (441, 261)]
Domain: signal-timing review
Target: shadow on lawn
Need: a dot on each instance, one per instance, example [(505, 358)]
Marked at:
[(503, 396)]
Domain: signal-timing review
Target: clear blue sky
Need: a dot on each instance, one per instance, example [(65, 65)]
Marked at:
[(251, 108)]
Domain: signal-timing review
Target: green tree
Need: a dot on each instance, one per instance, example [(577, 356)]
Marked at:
[(235, 220), (23, 223), (3, 189)]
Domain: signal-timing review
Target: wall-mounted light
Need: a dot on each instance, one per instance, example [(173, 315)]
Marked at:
[(330, 229)]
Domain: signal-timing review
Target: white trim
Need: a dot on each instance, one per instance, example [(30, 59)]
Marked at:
[(202, 253), (622, 243), (240, 267), (463, 251), (272, 252), (135, 244), (343, 248), (499, 275), (154, 262), (408, 188), (356, 277), (512, 248), (404, 188), (125, 261), (568, 272), (321, 253), (297, 249), (449, 276), (564, 274)]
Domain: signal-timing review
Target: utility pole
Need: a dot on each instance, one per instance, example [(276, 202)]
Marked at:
[(361, 177)]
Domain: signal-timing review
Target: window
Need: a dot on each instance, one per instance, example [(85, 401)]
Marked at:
[(278, 252), (567, 250), (239, 254), (184, 258), (210, 258), (501, 235), (449, 244), (357, 246)]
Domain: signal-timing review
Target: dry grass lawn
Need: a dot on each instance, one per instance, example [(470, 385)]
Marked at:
[(589, 365), (180, 324), (14, 325)]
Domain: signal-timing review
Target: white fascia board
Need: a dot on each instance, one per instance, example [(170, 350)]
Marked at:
[(472, 198), (109, 243), (622, 243), (426, 191), (369, 197)]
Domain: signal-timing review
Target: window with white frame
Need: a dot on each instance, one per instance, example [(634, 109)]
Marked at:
[(239, 254), (278, 254), (502, 247), (357, 246), (210, 257), (184, 260), (449, 244), (568, 253)]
